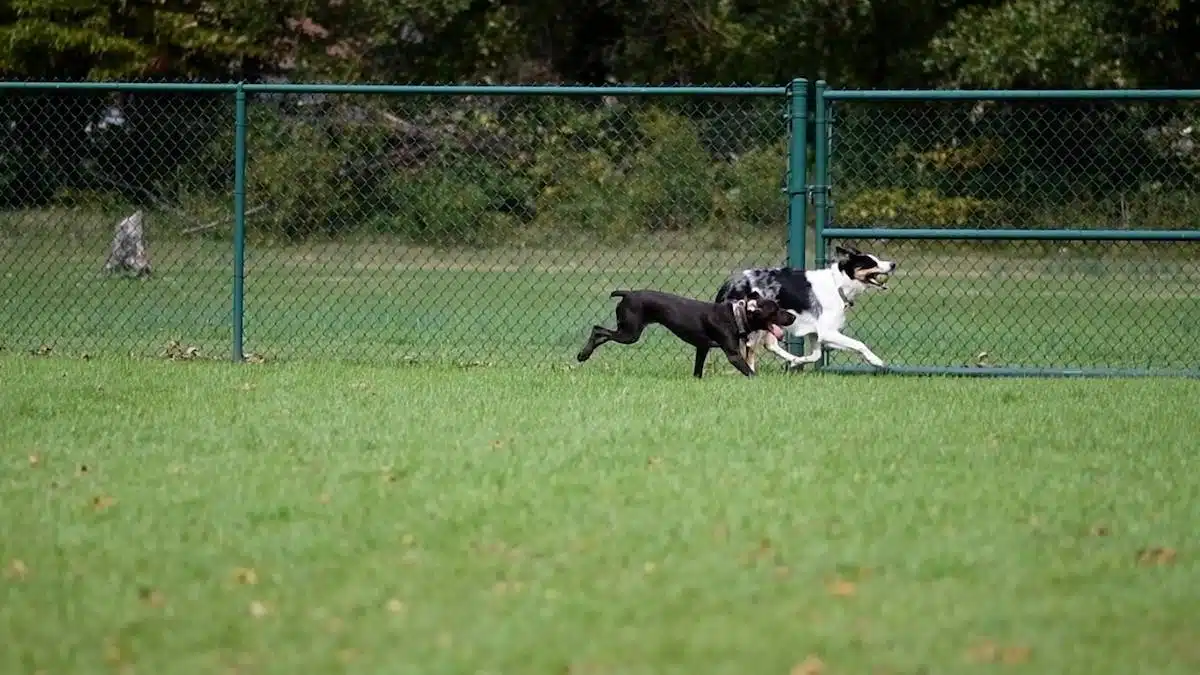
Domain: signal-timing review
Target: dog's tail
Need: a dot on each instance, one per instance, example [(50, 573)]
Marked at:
[(619, 294)]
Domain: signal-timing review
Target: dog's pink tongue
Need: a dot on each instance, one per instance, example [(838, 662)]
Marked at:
[(777, 332)]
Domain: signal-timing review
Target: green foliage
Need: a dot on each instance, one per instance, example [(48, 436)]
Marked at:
[(436, 206), (597, 169), (292, 172), (582, 192), (921, 207), (1028, 43), (753, 187), (669, 182)]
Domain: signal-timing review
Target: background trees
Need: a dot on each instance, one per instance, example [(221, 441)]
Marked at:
[(508, 170)]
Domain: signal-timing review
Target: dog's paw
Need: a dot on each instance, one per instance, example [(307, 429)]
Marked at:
[(795, 366)]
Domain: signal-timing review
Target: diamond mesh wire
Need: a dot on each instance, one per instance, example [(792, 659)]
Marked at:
[(73, 165), (380, 228), (1026, 165), (493, 228)]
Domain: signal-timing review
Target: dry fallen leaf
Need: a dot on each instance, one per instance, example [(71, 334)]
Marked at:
[(35, 461), (16, 570), (841, 588), (764, 551), (809, 666), (653, 462), (395, 606), (102, 502), (258, 609), (983, 652), (1015, 655), (245, 575), (988, 651), (1156, 556)]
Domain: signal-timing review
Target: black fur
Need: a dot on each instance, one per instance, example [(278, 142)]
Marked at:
[(701, 324), (785, 285)]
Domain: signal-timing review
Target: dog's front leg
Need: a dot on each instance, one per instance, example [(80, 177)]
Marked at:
[(734, 354), (838, 340), (701, 355)]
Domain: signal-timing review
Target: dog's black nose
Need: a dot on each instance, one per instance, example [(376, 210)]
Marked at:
[(895, 265)]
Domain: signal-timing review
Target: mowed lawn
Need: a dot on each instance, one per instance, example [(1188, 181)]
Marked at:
[(200, 517)]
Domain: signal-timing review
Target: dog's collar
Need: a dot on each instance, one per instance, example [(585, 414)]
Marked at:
[(845, 298), (739, 316)]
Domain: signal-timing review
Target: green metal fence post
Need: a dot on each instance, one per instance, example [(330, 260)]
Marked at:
[(797, 183), (821, 131), (239, 220)]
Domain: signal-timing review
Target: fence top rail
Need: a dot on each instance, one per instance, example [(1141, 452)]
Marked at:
[(400, 89), (1008, 235), (1012, 94), (8, 85)]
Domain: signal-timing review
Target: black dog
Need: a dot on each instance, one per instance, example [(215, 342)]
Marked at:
[(696, 322)]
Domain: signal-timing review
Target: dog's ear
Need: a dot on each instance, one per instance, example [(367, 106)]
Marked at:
[(847, 250), (754, 295)]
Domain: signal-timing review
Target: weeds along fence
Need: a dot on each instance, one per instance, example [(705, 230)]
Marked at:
[(1038, 232)]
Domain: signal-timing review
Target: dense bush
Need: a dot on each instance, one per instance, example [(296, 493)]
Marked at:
[(490, 171)]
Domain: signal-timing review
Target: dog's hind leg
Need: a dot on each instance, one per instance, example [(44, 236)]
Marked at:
[(629, 330), (772, 344), (599, 336)]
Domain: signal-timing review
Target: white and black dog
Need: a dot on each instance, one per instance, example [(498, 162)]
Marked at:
[(818, 298)]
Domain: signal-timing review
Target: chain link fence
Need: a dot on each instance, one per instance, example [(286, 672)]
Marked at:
[(1126, 167), (74, 164), (490, 226), (379, 227)]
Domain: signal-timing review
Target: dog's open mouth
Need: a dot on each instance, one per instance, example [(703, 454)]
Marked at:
[(878, 280), (776, 331)]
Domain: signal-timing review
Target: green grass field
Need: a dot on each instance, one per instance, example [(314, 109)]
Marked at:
[(618, 517)]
